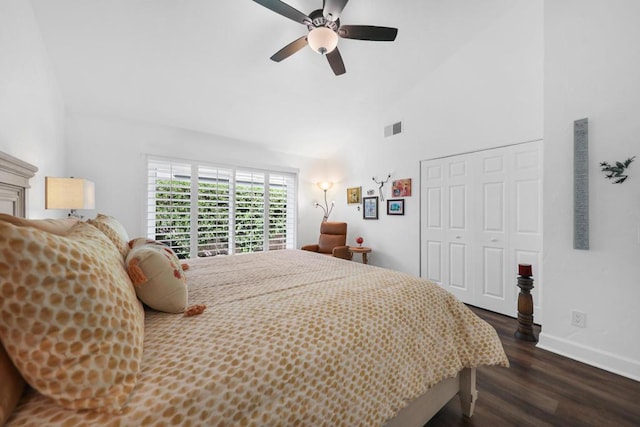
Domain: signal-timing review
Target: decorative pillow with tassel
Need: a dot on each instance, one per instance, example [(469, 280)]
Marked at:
[(157, 275)]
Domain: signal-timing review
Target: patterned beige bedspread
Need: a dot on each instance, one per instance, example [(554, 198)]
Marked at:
[(292, 338)]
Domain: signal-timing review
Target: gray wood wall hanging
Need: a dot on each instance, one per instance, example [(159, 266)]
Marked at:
[(581, 184)]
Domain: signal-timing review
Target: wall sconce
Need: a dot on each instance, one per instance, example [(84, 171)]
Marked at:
[(69, 193), (324, 186)]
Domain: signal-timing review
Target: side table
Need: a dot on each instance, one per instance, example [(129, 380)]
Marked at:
[(361, 250)]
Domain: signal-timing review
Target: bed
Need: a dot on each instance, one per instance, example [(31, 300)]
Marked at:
[(287, 338)]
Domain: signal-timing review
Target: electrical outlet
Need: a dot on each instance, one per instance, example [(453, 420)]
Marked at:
[(578, 319)]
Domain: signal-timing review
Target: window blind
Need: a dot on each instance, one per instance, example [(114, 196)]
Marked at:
[(206, 210)]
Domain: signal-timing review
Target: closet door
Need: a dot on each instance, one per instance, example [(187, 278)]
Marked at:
[(525, 216), (494, 290), (480, 218), (447, 224)]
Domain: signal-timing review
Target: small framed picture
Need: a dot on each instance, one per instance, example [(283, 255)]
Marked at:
[(354, 195), (401, 188), (395, 206), (370, 207)]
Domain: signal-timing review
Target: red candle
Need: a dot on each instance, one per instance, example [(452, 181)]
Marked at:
[(525, 270)]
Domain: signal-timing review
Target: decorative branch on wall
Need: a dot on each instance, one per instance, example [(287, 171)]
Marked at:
[(381, 184), (616, 172)]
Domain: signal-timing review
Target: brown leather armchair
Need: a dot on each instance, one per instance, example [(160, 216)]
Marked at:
[(332, 241)]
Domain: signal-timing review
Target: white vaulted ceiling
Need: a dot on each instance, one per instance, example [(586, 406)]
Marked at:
[(204, 64)]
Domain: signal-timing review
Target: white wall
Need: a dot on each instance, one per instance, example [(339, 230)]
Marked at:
[(488, 94), (592, 69), (31, 107), (112, 152)]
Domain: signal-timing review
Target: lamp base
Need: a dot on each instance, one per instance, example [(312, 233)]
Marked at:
[(74, 214)]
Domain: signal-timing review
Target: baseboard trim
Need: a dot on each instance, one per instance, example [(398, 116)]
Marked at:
[(600, 359)]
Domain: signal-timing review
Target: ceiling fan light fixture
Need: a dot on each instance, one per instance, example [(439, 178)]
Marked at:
[(322, 40)]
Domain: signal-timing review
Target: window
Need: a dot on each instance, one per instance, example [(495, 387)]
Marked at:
[(204, 210)]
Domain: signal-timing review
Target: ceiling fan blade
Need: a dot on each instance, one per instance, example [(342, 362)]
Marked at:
[(333, 8), (335, 61), (285, 10), (368, 32), (290, 49)]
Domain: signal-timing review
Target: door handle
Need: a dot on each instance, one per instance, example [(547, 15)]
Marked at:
[(493, 239), (458, 237)]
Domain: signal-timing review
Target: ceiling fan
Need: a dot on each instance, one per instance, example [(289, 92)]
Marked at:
[(324, 29)]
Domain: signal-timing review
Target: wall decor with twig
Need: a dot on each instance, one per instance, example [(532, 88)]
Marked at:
[(381, 184)]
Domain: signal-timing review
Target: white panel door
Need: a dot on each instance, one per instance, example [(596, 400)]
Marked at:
[(445, 225), (525, 210), (494, 291), (480, 218), (432, 223), (459, 230)]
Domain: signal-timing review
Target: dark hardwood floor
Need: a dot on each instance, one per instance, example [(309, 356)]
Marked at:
[(544, 389)]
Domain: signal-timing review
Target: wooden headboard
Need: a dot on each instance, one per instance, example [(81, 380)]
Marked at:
[(14, 182)]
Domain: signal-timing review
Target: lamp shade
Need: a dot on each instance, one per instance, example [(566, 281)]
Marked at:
[(322, 40), (324, 185), (69, 193)]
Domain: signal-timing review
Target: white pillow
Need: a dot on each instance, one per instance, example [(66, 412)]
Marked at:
[(157, 276)]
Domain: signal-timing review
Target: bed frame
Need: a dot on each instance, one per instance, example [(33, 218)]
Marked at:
[(14, 182), (422, 409)]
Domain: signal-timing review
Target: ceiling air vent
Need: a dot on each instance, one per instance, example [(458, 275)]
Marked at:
[(393, 129)]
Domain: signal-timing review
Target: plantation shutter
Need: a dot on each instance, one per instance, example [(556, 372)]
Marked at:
[(281, 211), (169, 205), (249, 211), (204, 210), (214, 198)]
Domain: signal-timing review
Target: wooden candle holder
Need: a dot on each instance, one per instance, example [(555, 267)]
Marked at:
[(525, 304)]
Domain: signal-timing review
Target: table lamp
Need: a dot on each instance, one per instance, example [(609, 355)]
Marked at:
[(69, 193)]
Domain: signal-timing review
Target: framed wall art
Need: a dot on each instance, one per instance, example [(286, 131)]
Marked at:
[(395, 206), (401, 188), (354, 195), (370, 207)]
